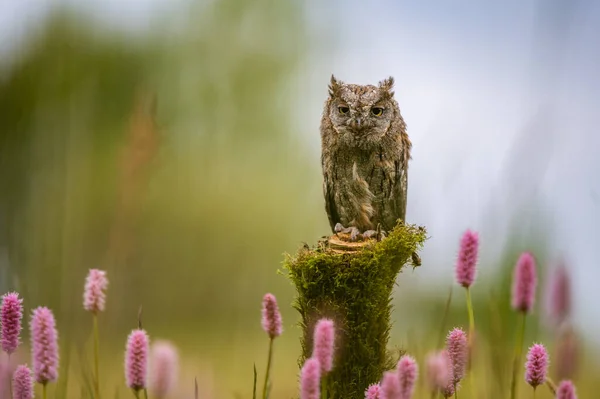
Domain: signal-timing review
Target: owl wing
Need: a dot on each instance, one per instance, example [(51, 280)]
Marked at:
[(330, 206), (399, 190)]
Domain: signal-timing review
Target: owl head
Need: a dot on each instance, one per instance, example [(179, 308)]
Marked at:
[(361, 114)]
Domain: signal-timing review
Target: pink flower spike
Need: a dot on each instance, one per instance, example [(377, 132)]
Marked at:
[(271, 318), (310, 379), (448, 390), (408, 372), (22, 383), (390, 386), (566, 390), (567, 354), (558, 296), (456, 345), (136, 359), (536, 366), (324, 337), (44, 344), (524, 283), (438, 370), (373, 392), (467, 259), (164, 368), (94, 293), (11, 315)]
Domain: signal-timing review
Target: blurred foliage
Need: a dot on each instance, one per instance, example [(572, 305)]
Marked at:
[(226, 174), (189, 213)]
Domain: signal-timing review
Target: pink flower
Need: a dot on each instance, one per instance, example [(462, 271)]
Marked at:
[(524, 283), (271, 318), (536, 366), (408, 372), (373, 392), (22, 383), (44, 344), (467, 259), (456, 345), (310, 379), (566, 354), (11, 315), (558, 296), (324, 337), (164, 368), (566, 390), (448, 390), (94, 294), (438, 370), (390, 386), (136, 359)]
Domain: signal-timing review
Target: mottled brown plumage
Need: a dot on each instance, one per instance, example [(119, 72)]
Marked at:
[(365, 154)]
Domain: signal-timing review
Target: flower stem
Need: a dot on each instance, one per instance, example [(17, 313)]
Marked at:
[(136, 393), (145, 393), (96, 357), (9, 377), (471, 317), (551, 385), (264, 395), (44, 393), (324, 387), (471, 338), (518, 351), (442, 333)]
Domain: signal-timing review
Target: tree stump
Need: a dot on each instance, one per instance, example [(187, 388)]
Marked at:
[(352, 283)]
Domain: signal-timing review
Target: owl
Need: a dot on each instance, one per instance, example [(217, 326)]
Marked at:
[(364, 155)]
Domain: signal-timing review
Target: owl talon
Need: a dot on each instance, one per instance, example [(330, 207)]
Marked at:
[(338, 228), (380, 232), (369, 233), (354, 233), (416, 259)]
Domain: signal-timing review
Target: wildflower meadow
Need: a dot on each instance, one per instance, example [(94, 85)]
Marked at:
[(151, 368)]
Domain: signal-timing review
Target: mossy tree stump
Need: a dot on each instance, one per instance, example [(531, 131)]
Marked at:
[(352, 284)]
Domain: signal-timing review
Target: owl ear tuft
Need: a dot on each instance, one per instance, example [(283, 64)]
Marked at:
[(387, 85), (334, 87)]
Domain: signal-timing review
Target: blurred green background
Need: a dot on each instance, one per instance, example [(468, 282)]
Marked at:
[(189, 209)]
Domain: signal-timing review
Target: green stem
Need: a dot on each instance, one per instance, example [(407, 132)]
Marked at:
[(455, 392), (518, 352), (96, 357), (9, 377), (534, 393), (44, 393), (471, 338), (145, 393), (136, 393), (324, 387), (471, 317), (551, 385), (444, 319), (264, 395)]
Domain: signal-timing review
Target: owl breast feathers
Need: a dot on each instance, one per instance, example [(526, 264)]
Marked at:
[(365, 154)]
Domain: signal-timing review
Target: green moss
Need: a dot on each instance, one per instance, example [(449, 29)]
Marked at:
[(354, 289)]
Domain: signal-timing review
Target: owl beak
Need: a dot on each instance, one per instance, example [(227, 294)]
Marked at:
[(358, 123)]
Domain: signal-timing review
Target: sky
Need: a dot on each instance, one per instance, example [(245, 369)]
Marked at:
[(500, 99)]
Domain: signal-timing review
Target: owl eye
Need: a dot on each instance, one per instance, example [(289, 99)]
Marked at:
[(343, 110), (377, 111)]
